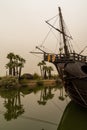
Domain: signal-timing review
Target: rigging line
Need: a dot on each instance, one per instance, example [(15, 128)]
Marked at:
[(83, 49), (32, 52), (71, 46), (76, 45), (52, 17), (54, 34), (56, 46), (48, 33), (39, 120), (67, 29), (56, 39), (37, 56), (49, 50), (79, 94)]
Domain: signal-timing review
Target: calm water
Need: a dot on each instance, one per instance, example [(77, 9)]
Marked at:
[(45, 109)]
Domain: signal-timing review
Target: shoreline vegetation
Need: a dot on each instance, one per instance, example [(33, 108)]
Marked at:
[(12, 82), (14, 78), (41, 82), (10, 86)]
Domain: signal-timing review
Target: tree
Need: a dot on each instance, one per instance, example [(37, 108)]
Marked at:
[(21, 65), (42, 64), (49, 71), (10, 56), (9, 67), (17, 58), (45, 69), (15, 64)]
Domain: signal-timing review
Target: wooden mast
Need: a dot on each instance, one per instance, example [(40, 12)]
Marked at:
[(63, 34), (62, 31)]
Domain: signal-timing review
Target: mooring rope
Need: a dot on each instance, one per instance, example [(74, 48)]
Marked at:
[(79, 94)]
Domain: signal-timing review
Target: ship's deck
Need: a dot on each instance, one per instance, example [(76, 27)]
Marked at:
[(62, 58)]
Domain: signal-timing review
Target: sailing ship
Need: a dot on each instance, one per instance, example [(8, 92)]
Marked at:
[(71, 66)]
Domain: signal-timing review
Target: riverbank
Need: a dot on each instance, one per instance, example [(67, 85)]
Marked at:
[(10, 82), (34, 83)]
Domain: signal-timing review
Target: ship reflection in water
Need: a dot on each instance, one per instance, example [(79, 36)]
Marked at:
[(74, 118)]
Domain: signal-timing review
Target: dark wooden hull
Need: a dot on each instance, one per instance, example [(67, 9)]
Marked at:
[(77, 90), (75, 78), (73, 72)]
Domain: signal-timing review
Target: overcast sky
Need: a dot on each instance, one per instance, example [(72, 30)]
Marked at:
[(22, 27)]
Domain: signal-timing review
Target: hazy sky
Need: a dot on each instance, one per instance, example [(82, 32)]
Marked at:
[(22, 27)]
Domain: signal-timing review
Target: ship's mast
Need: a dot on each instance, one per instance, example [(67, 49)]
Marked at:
[(63, 33)]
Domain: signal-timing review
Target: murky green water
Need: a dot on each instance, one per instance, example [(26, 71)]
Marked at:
[(45, 109)]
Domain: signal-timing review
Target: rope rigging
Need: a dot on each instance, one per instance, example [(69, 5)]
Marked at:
[(67, 38), (79, 94), (83, 50), (60, 41), (50, 31)]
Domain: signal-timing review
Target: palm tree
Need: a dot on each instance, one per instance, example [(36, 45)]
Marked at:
[(21, 65), (13, 68), (9, 66), (17, 59), (15, 62), (49, 71), (41, 64), (45, 69), (10, 56)]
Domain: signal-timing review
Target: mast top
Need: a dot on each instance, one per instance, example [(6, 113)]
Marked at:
[(63, 34), (62, 31)]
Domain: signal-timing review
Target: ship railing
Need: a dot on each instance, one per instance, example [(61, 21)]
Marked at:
[(72, 57), (78, 57)]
